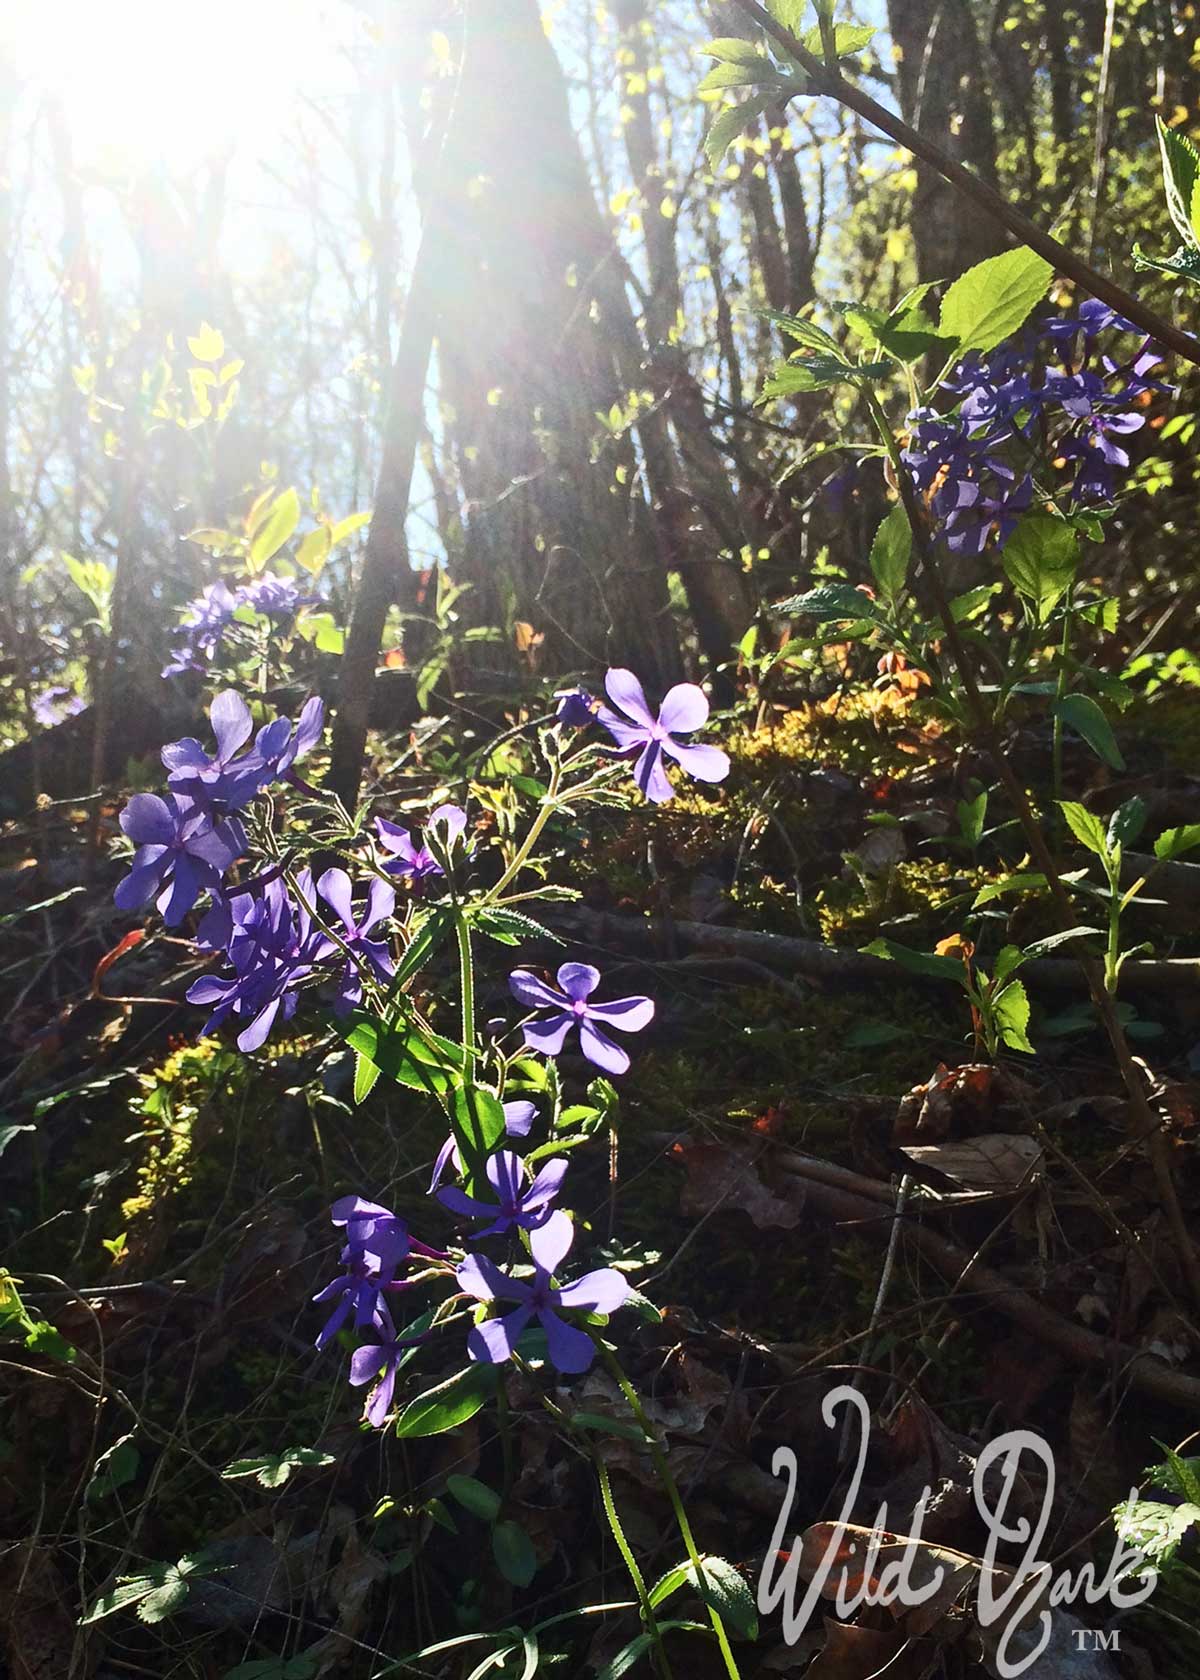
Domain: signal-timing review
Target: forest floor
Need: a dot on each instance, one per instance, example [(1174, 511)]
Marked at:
[(165, 1222)]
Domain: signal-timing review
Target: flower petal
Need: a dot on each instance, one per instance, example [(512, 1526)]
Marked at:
[(578, 980), (231, 723), (601, 1050), (506, 1174), (256, 1034), (627, 694), (601, 1291), (366, 1363), (148, 821), (650, 776), (684, 708), (547, 1184), (532, 992), (334, 887), (630, 1014), (626, 735), (459, 1202), (519, 1118), (381, 904), (706, 764), (139, 885), (493, 1341), (447, 1153), (551, 1243), (569, 1350), (548, 1037)]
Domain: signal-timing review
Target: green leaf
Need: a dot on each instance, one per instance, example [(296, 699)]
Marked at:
[(1105, 613), (1008, 960), (972, 602), (1180, 1475), (1173, 842), (322, 630), (509, 927), (626, 1657), (427, 1063), (1052, 941), (275, 530), (788, 12), (161, 1589), (756, 71), (1081, 713), (514, 1554), (365, 1075), (926, 963), (729, 122), (669, 1583), (450, 1403), (972, 814), (474, 1496), (1086, 828), (891, 551), (805, 332), (830, 601), (114, 1469), (273, 1470), (1127, 823), (1181, 172), (992, 300), (731, 49), (723, 1590), (1039, 560), (847, 38), (1155, 1529), (603, 1425), (1011, 1010), (1184, 262), (1023, 881), (477, 1119)]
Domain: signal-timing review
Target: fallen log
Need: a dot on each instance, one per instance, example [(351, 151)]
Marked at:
[(816, 961)]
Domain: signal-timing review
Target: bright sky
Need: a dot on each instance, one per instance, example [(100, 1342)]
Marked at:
[(173, 79)]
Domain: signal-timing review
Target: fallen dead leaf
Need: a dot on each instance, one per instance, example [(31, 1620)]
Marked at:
[(721, 1178)]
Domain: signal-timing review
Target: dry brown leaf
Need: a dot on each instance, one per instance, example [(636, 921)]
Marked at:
[(721, 1178)]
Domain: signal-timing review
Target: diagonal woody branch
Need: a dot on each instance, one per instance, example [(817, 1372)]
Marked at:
[(832, 84)]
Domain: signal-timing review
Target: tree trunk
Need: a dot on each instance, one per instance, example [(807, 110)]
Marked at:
[(942, 94)]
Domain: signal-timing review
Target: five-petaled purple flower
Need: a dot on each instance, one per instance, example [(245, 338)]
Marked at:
[(180, 850), (272, 946), (683, 710), (570, 1008), (417, 864), (570, 1350), (379, 1360), (335, 888), (376, 1244), (520, 1205)]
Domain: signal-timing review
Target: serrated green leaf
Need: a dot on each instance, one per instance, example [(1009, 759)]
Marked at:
[(828, 602), (1023, 881), (1052, 941), (365, 1075), (731, 121), (731, 49), (891, 551), (847, 38), (992, 300), (1174, 842), (788, 12), (1181, 172), (509, 927), (1011, 1009), (750, 73), (1081, 713), (1086, 828), (114, 1469), (1154, 1528), (1040, 559), (805, 332), (422, 1062)]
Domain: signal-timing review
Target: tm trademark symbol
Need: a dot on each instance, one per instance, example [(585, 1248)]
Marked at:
[(1096, 1639)]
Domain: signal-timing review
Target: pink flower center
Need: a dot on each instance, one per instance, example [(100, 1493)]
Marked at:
[(579, 1007)]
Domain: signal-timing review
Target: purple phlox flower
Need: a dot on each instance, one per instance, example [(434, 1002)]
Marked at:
[(357, 1301), (335, 888), (273, 596), (973, 492), (518, 1204), (1093, 447), (1091, 319), (180, 851), (683, 710), (378, 1363), (278, 747), (54, 704), (417, 864), (518, 1119), (576, 707), (570, 1350), (570, 1008), (223, 778), (373, 1233), (1078, 394), (272, 948), (207, 618)]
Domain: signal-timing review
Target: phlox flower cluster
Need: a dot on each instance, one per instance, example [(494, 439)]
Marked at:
[(278, 931), (1053, 395), (212, 616)]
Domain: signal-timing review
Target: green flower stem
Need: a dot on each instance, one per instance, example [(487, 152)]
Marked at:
[(466, 974), (1060, 692), (545, 811), (635, 1575), (668, 1481)]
